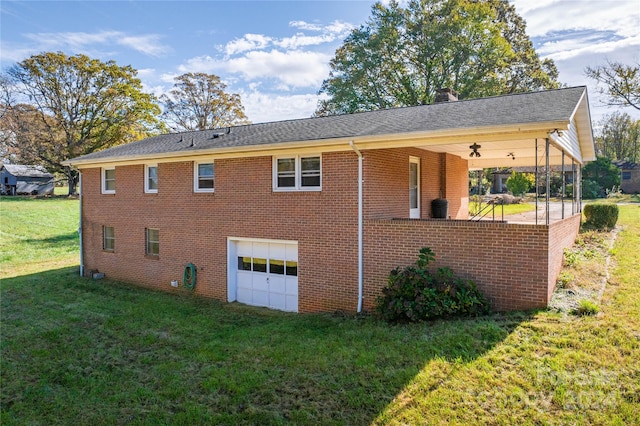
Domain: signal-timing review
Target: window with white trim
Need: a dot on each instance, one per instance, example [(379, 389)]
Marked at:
[(109, 180), (108, 238), (151, 178), (203, 176), (297, 173), (152, 239)]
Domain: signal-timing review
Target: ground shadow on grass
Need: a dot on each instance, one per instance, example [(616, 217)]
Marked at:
[(79, 351), (69, 240)]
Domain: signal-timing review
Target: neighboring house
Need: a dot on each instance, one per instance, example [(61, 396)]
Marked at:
[(25, 180), (500, 176), (629, 176), (311, 215)]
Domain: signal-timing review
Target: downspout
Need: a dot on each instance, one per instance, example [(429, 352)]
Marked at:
[(80, 227), (360, 249)]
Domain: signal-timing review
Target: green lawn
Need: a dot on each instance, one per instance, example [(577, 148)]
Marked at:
[(83, 352), (508, 208)]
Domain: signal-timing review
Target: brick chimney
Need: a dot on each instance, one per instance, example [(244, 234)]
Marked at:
[(446, 95)]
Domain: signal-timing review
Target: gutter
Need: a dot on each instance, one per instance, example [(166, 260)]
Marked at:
[(360, 245), (80, 227)]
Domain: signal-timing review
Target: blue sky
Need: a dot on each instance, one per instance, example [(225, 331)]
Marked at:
[(275, 54)]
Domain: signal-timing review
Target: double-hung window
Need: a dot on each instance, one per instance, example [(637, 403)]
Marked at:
[(108, 238), (152, 238), (297, 173), (109, 180), (151, 178), (203, 176)]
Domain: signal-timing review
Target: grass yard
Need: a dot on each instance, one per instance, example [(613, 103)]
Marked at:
[(508, 208), (84, 352)]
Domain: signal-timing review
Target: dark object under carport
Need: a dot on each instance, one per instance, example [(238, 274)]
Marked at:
[(439, 208)]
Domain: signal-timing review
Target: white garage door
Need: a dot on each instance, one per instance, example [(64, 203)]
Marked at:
[(267, 274)]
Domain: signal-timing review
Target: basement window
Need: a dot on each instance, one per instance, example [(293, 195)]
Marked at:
[(152, 242), (108, 238)]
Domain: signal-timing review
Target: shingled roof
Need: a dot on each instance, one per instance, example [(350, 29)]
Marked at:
[(517, 109), (27, 170)]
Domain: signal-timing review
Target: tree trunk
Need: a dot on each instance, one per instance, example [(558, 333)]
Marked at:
[(72, 177)]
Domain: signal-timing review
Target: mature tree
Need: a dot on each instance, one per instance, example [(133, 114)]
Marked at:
[(603, 173), (619, 137), (402, 56), (621, 83), (519, 183), (72, 106), (198, 101)]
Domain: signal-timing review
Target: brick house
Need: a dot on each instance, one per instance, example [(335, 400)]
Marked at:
[(629, 176), (311, 215)]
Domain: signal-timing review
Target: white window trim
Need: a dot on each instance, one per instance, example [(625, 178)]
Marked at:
[(103, 186), (298, 170), (104, 239), (196, 177), (148, 190)]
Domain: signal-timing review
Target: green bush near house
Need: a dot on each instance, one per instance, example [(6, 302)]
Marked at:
[(601, 215), (414, 294), (590, 189)]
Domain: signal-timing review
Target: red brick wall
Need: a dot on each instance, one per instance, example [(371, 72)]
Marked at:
[(386, 183), (508, 262), (562, 234), (457, 186), (194, 226), (515, 265)]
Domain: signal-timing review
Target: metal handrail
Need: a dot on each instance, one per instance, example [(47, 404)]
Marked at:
[(489, 207)]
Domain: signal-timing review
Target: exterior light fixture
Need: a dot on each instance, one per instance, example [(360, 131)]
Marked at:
[(475, 147), (513, 157)]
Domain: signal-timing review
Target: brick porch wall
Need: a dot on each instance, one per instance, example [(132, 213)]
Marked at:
[(510, 263), (562, 234)]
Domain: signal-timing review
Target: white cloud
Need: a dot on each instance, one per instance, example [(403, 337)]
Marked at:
[(263, 107), (148, 44), (247, 42), (77, 42), (548, 16), (300, 40), (293, 68), (203, 63), (567, 49), (252, 42)]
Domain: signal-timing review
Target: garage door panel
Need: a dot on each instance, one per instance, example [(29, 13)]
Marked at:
[(277, 284), (291, 303), (260, 298), (277, 301), (291, 286)]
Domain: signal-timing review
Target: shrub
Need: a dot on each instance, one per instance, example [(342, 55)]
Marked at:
[(601, 216), (414, 294), (590, 189), (586, 307), (519, 183)]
